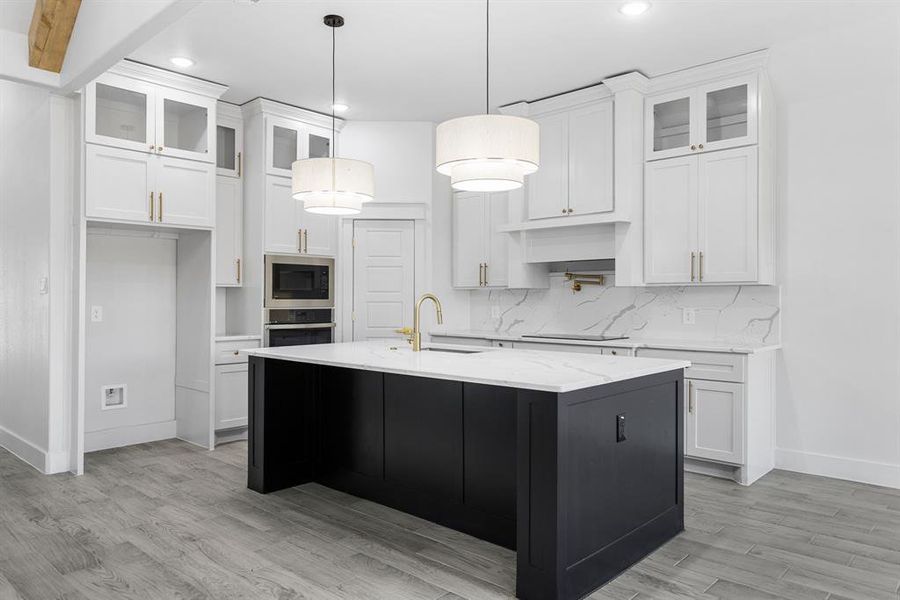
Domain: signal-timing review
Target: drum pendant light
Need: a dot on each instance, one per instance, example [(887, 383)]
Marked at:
[(487, 153), (333, 186)]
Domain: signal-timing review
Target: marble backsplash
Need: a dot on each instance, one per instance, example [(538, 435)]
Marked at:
[(734, 314)]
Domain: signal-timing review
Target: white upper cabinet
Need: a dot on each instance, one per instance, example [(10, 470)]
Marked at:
[(700, 218), (576, 172), (591, 159), (548, 188), (137, 115), (480, 252), (229, 231), (128, 186), (186, 192), (713, 116), (289, 229), (288, 140), (229, 141)]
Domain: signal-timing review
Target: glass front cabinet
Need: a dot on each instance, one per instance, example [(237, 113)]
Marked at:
[(288, 140), (708, 117), (135, 115)]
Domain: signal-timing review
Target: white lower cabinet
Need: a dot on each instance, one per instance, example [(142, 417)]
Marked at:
[(231, 383), (714, 420), (231, 396), (229, 230), (130, 186), (289, 229)]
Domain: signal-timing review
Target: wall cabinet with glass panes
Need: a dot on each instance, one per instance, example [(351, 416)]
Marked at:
[(229, 196), (709, 193), (150, 147), (288, 140), (135, 114), (704, 118)]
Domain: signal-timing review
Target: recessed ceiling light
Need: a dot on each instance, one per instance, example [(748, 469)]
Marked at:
[(633, 8), (182, 62), (338, 107)]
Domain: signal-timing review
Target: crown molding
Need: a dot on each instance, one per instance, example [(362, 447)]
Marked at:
[(729, 67), (155, 75), (287, 111), (634, 80), (228, 110)]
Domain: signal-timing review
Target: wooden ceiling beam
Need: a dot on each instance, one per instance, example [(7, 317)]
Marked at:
[(51, 28)]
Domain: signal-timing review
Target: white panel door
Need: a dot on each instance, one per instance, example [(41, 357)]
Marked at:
[(383, 278), (714, 423), (229, 234), (231, 396), (319, 232), (728, 225), (591, 159), (496, 259), (670, 220), (186, 192), (118, 184), (281, 231), (548, 188), (468, 239)]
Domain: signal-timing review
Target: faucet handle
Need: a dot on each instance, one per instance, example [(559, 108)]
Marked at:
[(404, 330)]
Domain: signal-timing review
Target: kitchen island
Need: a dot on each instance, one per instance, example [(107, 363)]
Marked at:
[(574, 461)]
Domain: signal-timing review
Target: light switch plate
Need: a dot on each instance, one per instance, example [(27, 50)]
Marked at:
[(689, 316), (96, 314)]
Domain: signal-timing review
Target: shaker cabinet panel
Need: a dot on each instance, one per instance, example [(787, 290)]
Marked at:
[(496, 259), (229, 231), (714, 423), (591, 159), (728, 229), (281, 231), (119, 111), (187, 191), (319, 232), (231, 396), (468, 239), (670, 220), (118, 184), (548, 188), (670, 129)]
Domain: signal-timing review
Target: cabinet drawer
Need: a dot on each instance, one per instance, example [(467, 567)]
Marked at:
[(712, 366), (558, 347), (229, 352), (617, 351)]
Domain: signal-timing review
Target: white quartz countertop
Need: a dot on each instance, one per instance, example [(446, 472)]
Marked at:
[(659, 343), (546, 371)]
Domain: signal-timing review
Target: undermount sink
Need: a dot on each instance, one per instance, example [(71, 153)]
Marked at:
[(452, 350)]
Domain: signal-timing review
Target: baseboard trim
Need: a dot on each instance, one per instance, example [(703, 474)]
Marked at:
[(839, 467), (128, 436), (23, 449)]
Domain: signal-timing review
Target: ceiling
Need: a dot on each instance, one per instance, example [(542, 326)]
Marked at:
[(424, 59)]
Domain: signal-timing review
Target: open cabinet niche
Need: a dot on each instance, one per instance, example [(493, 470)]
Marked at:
[(148, 337)]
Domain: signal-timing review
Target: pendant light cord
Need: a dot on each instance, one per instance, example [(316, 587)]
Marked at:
[(332, 89), (487, 57)]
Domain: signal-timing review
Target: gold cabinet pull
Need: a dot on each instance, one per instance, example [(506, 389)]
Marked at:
[(160, 215), (691, 397), (239, 158), (152, 208), (693, 256), (485, 274), (306, 241), (238, 270), (701, 266), (299, 241)]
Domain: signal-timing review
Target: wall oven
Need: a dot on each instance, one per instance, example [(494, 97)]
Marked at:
[(299, 282), (296, 327)]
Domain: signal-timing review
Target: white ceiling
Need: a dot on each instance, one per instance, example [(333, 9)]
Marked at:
[(424, 59), (15, 15)]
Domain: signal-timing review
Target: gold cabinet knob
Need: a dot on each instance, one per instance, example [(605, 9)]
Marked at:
[(571, 210), (693, 147), (700, 146), (563, 211), (236, 352), (159, 148)]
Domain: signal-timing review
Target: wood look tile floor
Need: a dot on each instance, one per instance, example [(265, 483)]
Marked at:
[(167, 520)]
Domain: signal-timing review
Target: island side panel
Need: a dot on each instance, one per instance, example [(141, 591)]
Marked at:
[(599, 496), (282, 436)]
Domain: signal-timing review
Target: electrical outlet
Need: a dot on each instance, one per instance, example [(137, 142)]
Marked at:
[(96, 314), (689, 316), (43, 285)]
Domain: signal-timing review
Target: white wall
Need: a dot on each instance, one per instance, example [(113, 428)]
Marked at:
[(132, 277), (24, 260), (838, 98)]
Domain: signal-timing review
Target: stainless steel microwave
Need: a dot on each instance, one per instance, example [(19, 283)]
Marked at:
[(299, 282)]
